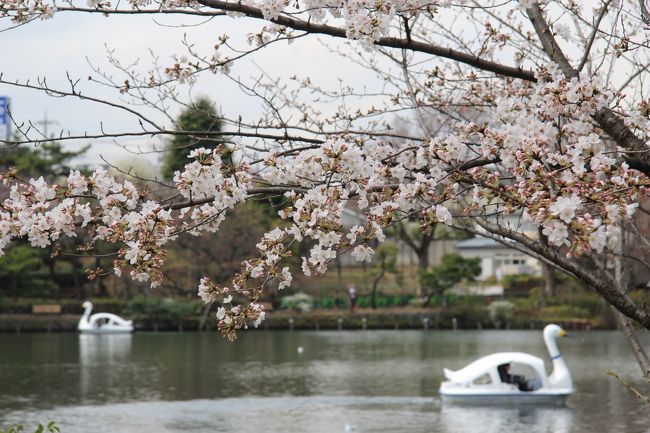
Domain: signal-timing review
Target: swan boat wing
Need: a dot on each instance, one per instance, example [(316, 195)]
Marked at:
[(488, 366), (479, 382)]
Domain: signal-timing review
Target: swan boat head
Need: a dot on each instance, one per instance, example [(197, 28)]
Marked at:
[(84, 321), (560, 377)]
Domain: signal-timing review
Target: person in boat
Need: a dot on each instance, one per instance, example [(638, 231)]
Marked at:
[(515, 379)]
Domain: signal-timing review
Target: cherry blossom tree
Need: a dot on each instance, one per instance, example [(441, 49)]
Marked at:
[(545, 125)]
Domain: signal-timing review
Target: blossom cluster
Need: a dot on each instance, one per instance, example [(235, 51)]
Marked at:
[(205, 180), (115, 211), (564, 177), (21, 11)]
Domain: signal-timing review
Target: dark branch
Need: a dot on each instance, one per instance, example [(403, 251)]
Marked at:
[(391, 42)]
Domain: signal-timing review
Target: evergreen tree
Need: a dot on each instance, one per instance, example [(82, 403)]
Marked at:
[(199, 120), (23, 272), (453, 269), (47, 159)]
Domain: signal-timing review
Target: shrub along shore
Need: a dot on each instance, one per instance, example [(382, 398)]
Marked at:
[(165, 314)]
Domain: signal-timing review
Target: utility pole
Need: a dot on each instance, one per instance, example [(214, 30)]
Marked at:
[(45, 122)]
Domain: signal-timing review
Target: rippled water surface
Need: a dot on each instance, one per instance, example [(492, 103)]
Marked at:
[(375, 381)]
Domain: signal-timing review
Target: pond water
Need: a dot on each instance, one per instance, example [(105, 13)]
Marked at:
[(363, 381)]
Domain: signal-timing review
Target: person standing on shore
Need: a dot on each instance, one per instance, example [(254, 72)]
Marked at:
[(352, 294)]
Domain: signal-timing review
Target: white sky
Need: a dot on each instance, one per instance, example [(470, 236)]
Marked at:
[(68, 41)]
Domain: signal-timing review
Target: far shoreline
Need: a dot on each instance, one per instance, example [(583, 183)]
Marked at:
[(315, 320)]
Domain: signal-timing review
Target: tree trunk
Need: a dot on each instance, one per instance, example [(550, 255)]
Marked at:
[(423, 257), (100, 286), (50, 267), (204, 317), (365, 275), (429, 296), (339, 275), (549, 279), (78, 279), (621, 281), (421, 250), (373, 294), (639, 353)]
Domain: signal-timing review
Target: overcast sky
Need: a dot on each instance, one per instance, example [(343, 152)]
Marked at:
[(68, 42)]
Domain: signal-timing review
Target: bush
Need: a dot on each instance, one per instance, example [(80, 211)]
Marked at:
[(418, 302), (68, 306), (383, 301), (363, 301), (300, 302), (325, 302), (563, 312), (468, 316), (500, 312), (521, 284), (162, 308)]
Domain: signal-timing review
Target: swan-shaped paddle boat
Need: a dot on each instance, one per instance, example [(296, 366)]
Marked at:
[(487, 381), (102, 323)]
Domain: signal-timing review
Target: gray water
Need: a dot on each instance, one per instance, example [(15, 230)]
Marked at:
[(375, 381)]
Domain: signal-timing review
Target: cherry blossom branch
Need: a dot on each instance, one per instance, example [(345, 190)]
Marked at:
[(449, 53), (73, 92), (203, 134), (158, 11), (606, 118), (592, 36)]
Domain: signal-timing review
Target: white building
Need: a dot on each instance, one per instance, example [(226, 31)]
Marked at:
[(497, 259)]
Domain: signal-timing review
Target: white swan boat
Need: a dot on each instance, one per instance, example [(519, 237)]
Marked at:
[(487, 381), (102, 323)]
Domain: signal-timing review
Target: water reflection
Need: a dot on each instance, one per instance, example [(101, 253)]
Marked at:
[(101, 356), (461, 419), (95, 349)]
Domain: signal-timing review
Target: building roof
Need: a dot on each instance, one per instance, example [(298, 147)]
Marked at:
[(352, 217), (479, 242)]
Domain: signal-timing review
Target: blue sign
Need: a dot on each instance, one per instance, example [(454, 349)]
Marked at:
[(4, 108), (5, 122)]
